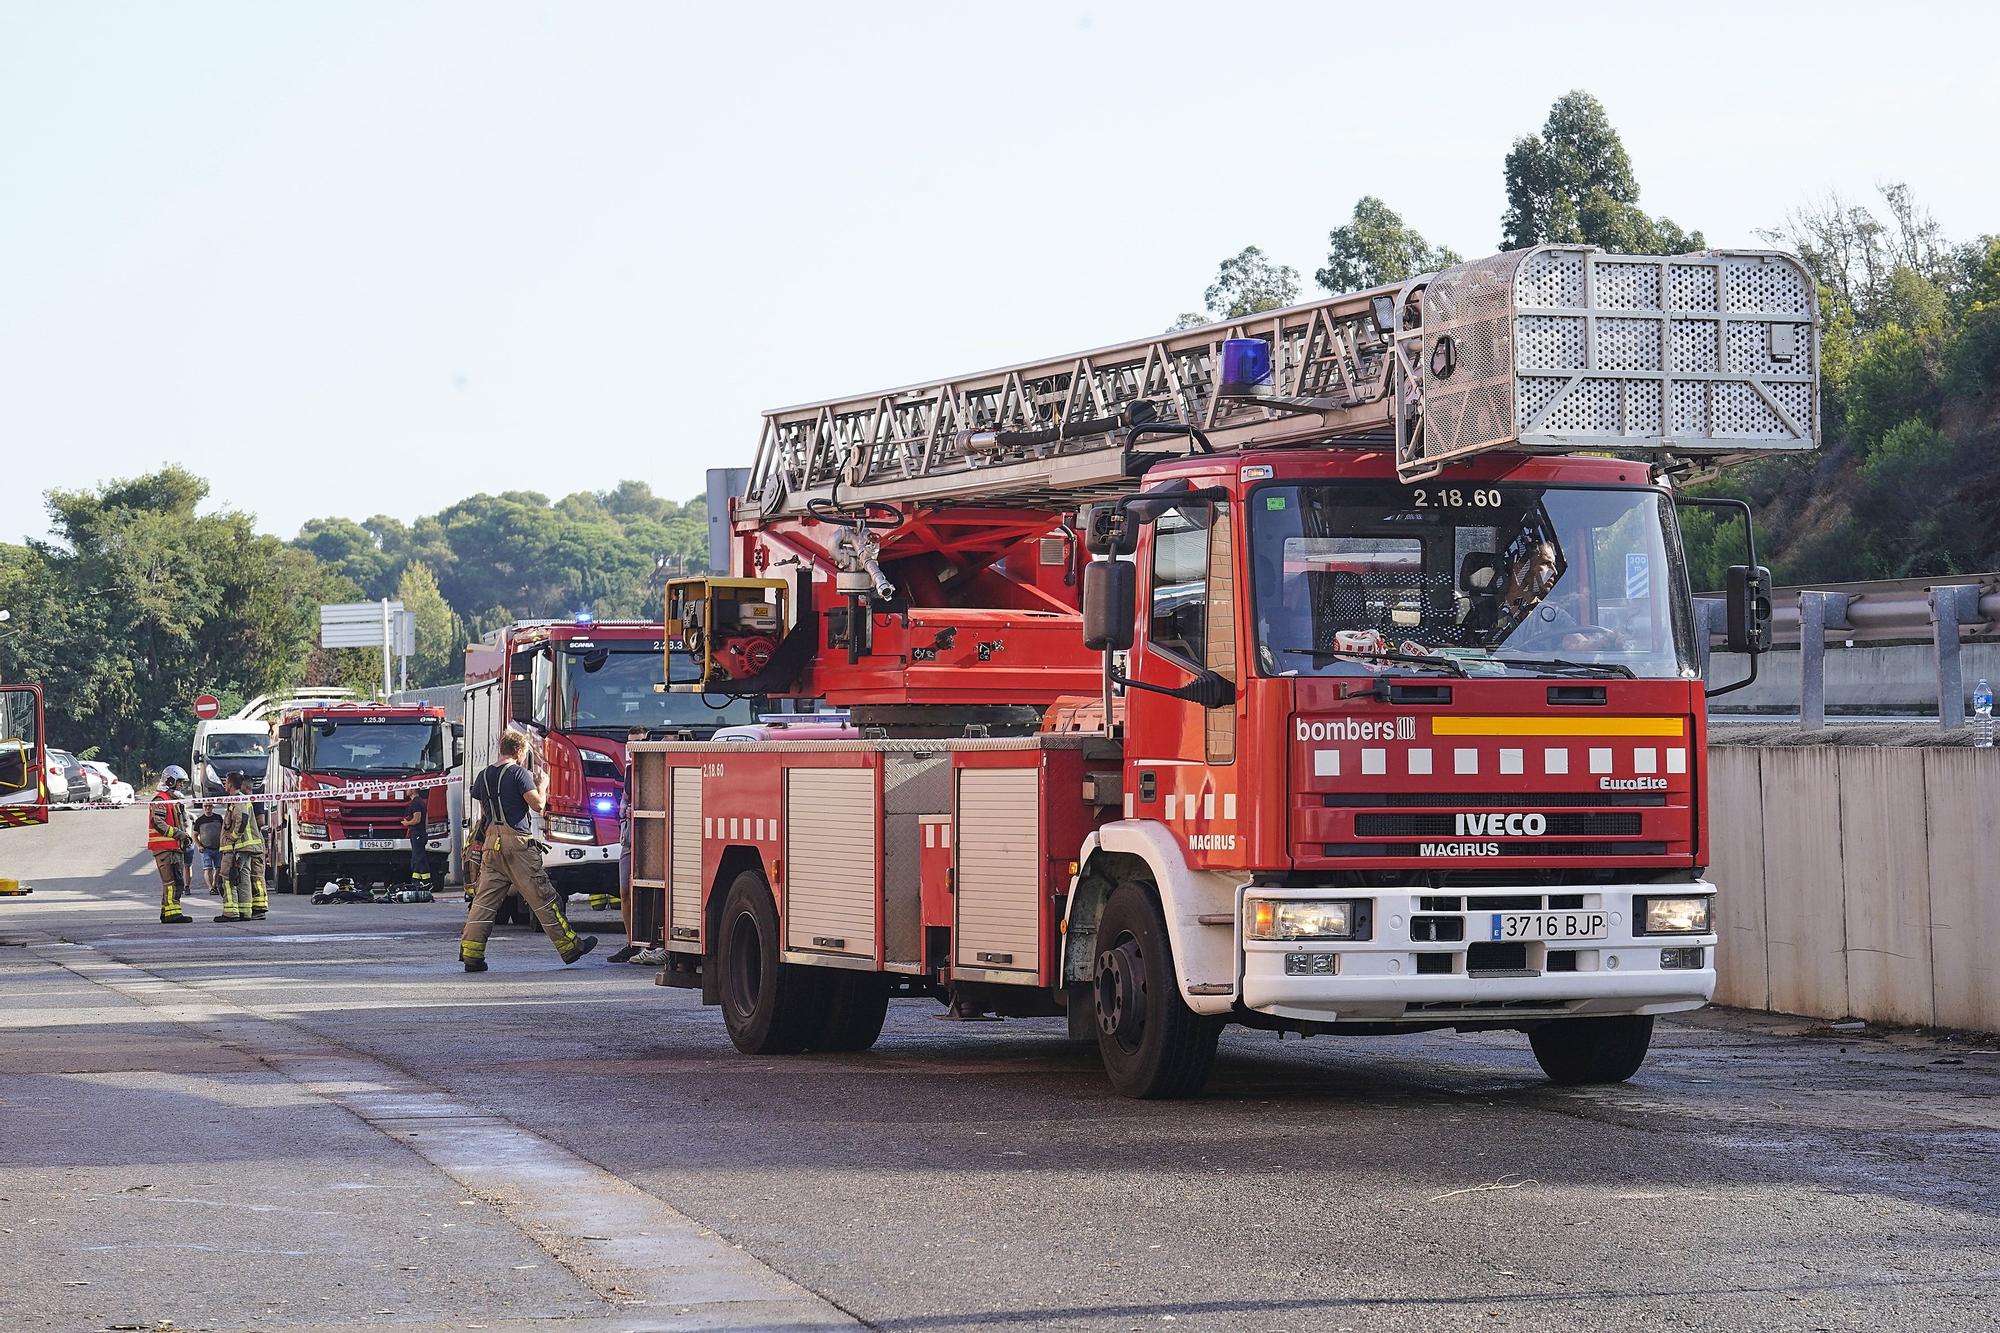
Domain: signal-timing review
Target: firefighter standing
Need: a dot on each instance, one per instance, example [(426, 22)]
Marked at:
[(167, 840), (510, 859), (243, 854), (416, 819)]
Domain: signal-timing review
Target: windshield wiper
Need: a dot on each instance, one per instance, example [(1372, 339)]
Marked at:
[(1444, 664), (1564, 664)]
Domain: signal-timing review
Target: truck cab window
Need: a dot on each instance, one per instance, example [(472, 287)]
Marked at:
[(1178, 625)]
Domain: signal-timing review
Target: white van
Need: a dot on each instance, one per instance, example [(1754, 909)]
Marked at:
[(226, 745)]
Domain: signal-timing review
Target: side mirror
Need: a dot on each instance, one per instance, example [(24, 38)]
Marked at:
[(1747, 600), (457, 744), (1110, 604), (285, 747)]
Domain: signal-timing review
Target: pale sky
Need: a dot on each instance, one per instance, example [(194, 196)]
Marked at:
[(370, 258)]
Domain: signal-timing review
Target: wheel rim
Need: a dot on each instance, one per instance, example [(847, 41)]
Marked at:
[(746, 965), (1121, 993)]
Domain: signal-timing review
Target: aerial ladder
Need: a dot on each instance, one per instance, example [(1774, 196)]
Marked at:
[(888, 543)]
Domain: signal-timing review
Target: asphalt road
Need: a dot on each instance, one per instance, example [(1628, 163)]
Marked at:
[(319, 1121)]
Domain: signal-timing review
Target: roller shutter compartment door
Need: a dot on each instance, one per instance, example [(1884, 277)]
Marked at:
[(999, 857), (831, 825)]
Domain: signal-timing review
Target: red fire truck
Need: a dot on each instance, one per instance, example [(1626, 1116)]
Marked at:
[(582, 689), (1362, 693), (360, 764), (23, 757)]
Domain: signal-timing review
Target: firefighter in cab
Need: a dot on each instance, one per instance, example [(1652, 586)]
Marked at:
[(167, 839)]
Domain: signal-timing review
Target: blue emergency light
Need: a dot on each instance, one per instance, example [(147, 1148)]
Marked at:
[(1246, 368), (585, 618), (605, 805)]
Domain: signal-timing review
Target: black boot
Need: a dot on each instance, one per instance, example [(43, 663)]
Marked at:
[(474, 964), (583, 946)]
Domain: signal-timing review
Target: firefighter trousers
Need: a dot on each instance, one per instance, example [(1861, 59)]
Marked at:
[(511, 862), (243, 892), (173, 882)]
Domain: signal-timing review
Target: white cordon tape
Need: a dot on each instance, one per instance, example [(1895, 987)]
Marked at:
[(358, 790)]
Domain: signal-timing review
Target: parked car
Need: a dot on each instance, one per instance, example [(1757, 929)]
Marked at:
[(116, 789), (57, 778), (82, 784)]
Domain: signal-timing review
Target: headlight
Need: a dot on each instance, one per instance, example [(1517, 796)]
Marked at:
[(1282, 919), (311, 830), (575, 830), (1674, 916)]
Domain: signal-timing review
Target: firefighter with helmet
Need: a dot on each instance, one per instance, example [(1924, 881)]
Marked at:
[(243, 853), (167, 839)]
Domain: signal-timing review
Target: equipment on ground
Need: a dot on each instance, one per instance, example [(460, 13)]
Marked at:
[(1325, 671)]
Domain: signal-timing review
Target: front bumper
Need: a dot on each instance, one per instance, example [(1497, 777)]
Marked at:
[(367, 846), (571, 855), (1378, 979)]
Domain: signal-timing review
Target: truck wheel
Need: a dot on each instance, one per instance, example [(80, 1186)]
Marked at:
[(1152, 1044), (856, 1006), (771, 1007), (1592, 1050)]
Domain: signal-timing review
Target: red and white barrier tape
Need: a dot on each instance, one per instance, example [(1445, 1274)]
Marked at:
[(362, 791)]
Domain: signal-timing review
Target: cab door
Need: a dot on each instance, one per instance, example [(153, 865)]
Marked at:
[(23, 759), (1183, 756)]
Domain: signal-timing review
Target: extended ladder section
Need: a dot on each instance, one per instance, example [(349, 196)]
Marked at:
[(1551, 349)]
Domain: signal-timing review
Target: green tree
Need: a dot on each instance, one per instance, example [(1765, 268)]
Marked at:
[(1247, 283), (1375, 248), (1891, 382), (1573, 183), (440, 655), (142, 602)]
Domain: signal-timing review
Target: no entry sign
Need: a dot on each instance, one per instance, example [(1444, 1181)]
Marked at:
[(207, 706)]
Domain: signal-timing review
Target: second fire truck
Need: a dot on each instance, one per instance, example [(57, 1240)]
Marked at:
[(1334, 671), (583, 688), (349, 771)]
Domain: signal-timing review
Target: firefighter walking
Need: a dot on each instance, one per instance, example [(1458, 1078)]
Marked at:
[(244, 897), (511, 860), (167, 839)]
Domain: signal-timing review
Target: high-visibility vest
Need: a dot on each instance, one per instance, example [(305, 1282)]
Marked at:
[(170, 816), (239, 829)]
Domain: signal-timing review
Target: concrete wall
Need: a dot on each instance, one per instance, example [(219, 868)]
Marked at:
[(1860, 882)]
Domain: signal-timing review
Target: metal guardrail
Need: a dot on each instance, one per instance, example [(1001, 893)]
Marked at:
[(1949, 610)]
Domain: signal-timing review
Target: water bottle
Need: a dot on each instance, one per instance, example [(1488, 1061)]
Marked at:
[(1982, 714)]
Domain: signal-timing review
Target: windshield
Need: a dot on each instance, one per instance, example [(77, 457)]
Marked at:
[(238, 746), (376, 748), (1498, 579), (611, 689)]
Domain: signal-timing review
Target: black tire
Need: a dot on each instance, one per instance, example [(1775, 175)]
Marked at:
[(1151, 1043), (771, 1007), (856, 1006), (1573, 1051)]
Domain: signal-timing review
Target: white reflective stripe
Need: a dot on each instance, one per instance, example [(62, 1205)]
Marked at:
[(1555, 761), (930, 835), (1128, 805), (1326, 763), (1465, 761), (1208, 805), (1229, 805), (1677, 761), (1173, 805), (1646, 760), (1374, 761), (708, 827), (944, 836), (1600, 761), (1510, 761), (1420, 761)]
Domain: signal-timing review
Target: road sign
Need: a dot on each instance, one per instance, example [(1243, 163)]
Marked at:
[(207, 706), (356, 624)]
